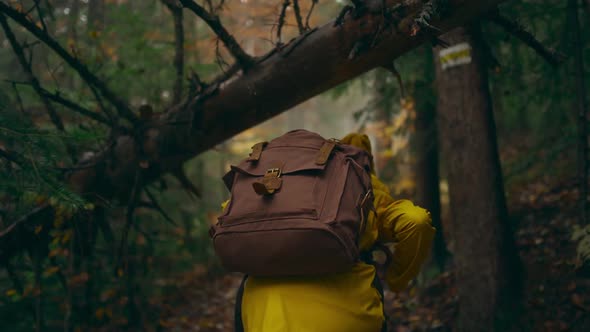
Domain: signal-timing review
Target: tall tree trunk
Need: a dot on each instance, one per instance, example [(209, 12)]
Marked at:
[(427, 178), (426, 149), (581, 110), (486, 261)]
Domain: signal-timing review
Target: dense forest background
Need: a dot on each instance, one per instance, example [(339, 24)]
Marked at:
[(141, 259)]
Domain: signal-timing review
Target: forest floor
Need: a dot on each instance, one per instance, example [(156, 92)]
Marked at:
[(557, 294)]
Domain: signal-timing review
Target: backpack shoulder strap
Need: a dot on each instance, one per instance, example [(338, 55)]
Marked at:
[(238, 322)]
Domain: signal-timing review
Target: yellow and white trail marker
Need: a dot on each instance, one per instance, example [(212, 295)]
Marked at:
[(456, 55)]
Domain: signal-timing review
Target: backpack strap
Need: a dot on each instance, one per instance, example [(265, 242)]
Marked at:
[(257, 151), (379, 287), (238, 323), (367, 257), (325, 151)]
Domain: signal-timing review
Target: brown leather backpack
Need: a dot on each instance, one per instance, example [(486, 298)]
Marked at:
[(297, 207)]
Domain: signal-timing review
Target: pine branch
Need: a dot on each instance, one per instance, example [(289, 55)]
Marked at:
[(78, 66), (245, 60), (553, 57), (298, 18)]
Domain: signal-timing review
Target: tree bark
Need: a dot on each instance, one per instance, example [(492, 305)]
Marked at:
[(427, 178), (486, 261), (581, 110), (305, 67)]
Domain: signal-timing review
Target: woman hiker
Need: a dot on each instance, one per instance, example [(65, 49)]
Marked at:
[(350, 301)]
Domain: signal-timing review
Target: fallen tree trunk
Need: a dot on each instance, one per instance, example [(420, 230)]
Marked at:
[(305, 67)]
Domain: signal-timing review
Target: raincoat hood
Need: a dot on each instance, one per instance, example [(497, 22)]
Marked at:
[(361, 141)]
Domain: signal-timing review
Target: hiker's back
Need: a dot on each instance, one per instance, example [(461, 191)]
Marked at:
[(309, 299)]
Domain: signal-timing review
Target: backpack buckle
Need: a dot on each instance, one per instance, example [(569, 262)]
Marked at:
[(273, 172), (270, 183)]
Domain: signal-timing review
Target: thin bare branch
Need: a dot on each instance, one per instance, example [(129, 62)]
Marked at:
[(231, 71), (245, 60), (26, 66), (57, 98), (101, 104), (298, 18), (37, 6), (156, 206), (282, 20), (185, 182), (131, 206), (33, 213), (313, 3), (392, 69), (11, 157), (78, 66), (20, 55), (553, 57), (18, 98)]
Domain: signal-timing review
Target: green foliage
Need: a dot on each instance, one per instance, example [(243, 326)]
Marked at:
[(35, 172), (581, 235)]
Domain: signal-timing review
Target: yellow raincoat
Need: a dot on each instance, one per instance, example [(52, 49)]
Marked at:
[(346, 302)]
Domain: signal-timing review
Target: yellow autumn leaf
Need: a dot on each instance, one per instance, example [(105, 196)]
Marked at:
[(38, 229), (11, 292), (52, 201), (54, 252), (59, 220), (51, 271), (99, 313), (67, 236), (107, 294), (40, 199), (109, 312), (165, 323)]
